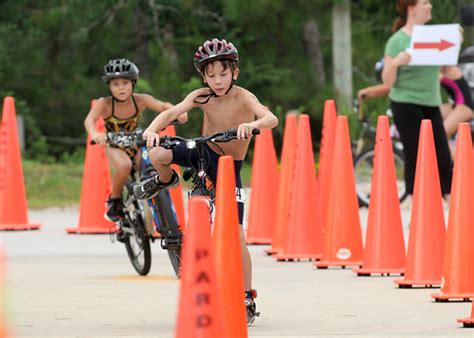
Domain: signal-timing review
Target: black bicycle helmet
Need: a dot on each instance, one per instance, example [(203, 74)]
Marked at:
[(120, 68), (214, 50), (378, 69)]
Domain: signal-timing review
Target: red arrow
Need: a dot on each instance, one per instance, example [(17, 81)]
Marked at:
[(442, 45)]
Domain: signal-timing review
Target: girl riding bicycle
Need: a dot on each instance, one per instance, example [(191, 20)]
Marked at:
[(225, 106), (121, 111)]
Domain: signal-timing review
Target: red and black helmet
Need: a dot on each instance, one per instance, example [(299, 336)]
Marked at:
[(214, 50)]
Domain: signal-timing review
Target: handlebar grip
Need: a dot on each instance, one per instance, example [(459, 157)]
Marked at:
[(92, 142), (233, 132)]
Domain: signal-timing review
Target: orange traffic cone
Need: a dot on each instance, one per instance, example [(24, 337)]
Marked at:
[(264, 190), (458, 274), (288, 157), (303, 239), (384, 251), (177, 191), (95, 190), (326, 158), (427, 227), (468, 322), (227, 251), (13, 206), (343, 237), (200, 309)]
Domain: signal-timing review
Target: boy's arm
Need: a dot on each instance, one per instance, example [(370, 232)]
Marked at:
[(165, 118), (159, 106), (91, 118), (265, 118)]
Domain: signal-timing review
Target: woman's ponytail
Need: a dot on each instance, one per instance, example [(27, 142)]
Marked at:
[(402, 9)]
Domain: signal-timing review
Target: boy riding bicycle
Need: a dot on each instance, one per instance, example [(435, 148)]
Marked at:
[(121, 111), (224, 106)]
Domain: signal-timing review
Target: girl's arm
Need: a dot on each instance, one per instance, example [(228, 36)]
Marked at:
[(265, 118), (91, 118), (159, 106)]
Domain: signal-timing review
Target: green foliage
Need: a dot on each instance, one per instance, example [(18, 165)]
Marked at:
[(52, 53)]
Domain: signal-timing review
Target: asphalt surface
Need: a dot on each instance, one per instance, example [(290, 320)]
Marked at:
[(62, 285)]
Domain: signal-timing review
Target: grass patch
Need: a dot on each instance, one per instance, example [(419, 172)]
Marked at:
[(52, 185), (59, 184)]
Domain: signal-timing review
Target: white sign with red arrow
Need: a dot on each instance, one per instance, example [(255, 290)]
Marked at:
[(435, 44)]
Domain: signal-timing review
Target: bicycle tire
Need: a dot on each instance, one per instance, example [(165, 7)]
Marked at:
[(137, 241), (171, 238), (363, 170)]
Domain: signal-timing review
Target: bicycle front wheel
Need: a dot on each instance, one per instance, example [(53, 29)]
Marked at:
[(169, 229), (363, 171)]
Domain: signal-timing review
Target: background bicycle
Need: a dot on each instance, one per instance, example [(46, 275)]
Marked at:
[(137, 228), (363, 151)]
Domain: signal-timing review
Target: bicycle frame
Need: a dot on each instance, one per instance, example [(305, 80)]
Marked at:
[(172, 240), (199, 175)]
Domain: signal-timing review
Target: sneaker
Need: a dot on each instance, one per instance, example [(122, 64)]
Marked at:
[(250, 306), (114, 211), (150, 187)]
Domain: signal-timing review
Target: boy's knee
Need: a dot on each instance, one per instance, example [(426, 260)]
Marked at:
[(160, 156)]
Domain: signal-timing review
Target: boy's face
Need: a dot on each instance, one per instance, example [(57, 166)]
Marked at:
[(218, 77), (121, 88)]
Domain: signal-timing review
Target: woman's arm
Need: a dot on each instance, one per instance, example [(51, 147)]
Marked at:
[(389, 73)]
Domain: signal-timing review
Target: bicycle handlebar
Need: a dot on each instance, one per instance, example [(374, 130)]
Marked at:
[(169, 142), (135, 139)]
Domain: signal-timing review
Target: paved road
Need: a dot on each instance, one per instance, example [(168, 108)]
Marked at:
[(61, 285)]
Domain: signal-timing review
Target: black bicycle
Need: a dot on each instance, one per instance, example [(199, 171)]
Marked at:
[(363, 151), (201, 185), (137, 228)]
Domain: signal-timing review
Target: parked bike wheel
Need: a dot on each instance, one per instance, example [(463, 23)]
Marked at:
[(363, 170), (137, 240), (171, 238)]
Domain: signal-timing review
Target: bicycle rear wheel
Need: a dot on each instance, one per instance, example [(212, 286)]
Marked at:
[(363, 170)]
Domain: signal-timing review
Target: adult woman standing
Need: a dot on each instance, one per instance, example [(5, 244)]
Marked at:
[(415, 93)]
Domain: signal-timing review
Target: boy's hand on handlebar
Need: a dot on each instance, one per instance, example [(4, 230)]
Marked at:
[(152, 139), (244, 130), (99, 138)]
